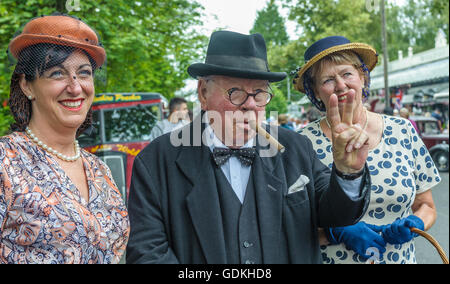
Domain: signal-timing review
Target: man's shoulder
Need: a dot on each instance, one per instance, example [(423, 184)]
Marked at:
[(168, 144), (159, 143), (291, 138), (296, 146)]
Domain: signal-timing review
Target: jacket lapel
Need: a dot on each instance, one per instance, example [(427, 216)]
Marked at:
[(203, 202), (204, 207)]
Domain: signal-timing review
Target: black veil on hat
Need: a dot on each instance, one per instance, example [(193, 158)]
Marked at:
[(57, 32), (43, 43), (58, 29), (236, 55)]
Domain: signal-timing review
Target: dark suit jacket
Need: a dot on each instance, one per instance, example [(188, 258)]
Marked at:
[(175, 212)]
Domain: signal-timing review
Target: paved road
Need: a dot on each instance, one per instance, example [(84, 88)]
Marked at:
[(425, 252)]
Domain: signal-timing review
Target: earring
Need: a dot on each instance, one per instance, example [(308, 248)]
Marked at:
[(30, 98)]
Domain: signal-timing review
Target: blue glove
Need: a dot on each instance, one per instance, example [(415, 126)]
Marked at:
[(399, 232), (359, 238)]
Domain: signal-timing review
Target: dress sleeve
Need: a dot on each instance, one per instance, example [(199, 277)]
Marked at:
[(109, 183), (4, 196), (3, 204), (106, 172), (425, 172)]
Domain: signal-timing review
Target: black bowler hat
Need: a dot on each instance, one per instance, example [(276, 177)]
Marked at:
[(236, 55)]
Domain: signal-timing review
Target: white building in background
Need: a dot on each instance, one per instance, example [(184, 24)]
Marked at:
[(415, 78)]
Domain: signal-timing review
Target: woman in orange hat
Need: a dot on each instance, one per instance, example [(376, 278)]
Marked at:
[(401, 169), (58, 203)]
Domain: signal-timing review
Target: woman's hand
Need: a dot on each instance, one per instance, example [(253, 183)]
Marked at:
[(350, 141), (362, 238), (399, 232)]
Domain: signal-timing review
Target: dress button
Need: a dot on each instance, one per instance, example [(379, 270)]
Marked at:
[(247, 244), (248, 262)]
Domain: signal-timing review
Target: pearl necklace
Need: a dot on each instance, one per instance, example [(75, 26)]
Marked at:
[(53, 151)]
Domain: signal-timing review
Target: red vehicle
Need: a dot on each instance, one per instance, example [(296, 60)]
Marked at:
[(434, 140), (121, 129)]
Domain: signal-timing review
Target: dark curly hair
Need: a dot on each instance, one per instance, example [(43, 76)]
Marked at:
[(35, 60)]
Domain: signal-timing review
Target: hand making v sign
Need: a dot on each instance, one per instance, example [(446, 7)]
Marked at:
[(350, 147)]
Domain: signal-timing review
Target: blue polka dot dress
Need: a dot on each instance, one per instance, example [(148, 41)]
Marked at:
[(400, 167)]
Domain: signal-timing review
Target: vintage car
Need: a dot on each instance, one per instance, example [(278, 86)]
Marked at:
[(122, 123), (434, 139)]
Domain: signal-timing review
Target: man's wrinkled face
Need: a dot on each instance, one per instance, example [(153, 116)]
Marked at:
[(229, 121)]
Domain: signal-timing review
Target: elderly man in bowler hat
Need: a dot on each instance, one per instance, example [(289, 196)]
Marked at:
[(222, 201)]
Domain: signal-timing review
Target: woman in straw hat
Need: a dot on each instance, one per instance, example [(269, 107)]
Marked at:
[(58, 203), (402, 171)]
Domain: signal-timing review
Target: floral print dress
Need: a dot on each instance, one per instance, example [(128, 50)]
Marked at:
[(400, 167), (43, 217)]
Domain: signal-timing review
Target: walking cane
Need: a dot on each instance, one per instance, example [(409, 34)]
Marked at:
[(433, 242)]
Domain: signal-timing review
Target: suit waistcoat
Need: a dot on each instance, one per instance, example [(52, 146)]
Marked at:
[(240, 222)]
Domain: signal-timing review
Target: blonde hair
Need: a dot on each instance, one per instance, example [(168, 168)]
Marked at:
[(341, 57)]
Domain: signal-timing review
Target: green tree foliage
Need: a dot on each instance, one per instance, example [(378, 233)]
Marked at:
[(149, 44), (439, 10), (271, 25), (414, 24), (5, 119), (320, 18), (278, 103), (286, 58)]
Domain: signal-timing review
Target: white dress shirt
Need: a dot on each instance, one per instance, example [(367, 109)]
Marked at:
[(165, 126), (237, 174)]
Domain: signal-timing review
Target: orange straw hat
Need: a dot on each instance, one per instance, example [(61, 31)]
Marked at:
[(61, 30)]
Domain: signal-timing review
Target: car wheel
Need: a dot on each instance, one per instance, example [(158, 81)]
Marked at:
[(440, 158)]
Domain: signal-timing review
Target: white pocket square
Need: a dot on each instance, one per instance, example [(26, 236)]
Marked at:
[(299, 184)]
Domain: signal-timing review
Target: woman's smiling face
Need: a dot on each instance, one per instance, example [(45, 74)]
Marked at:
[(63, 94), (339, 79)]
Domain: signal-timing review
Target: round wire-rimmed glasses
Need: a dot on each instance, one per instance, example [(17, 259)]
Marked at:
[(238, 96)]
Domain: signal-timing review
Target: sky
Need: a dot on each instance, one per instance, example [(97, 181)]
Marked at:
[(234, 15)]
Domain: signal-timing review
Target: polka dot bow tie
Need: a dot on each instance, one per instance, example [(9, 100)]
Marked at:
[(245, 155)]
